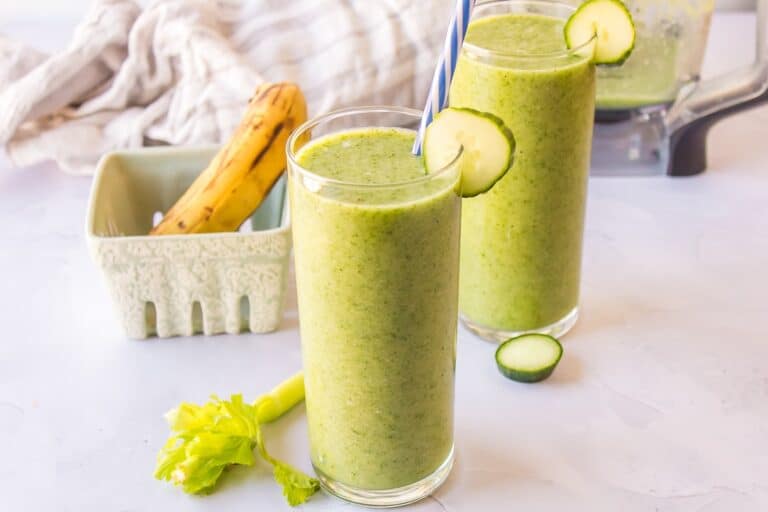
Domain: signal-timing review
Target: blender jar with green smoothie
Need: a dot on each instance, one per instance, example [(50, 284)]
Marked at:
[(653, 111), (522, 240), (669, 49)]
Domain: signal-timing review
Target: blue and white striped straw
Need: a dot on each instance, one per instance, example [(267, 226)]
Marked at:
[(446, 65)]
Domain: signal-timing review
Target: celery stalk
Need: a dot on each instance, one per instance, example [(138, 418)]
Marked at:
[(280, 400)]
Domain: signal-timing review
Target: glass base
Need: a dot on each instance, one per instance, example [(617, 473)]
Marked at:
[(557, 329), (390, 497)]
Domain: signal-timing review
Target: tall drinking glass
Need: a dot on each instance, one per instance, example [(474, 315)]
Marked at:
[(522, 241), (376, 243)]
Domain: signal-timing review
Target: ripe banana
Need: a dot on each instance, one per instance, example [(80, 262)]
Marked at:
[(240, 176)]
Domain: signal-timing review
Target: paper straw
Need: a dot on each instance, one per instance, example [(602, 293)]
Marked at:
[(446, 65)]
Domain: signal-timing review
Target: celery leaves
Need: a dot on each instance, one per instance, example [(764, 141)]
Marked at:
[(207, 439)]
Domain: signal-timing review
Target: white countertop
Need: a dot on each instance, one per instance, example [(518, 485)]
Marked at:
[(660, 403)]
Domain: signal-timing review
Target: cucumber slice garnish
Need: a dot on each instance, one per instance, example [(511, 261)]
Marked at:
[(529, 358), (489, 147), (611, 22)]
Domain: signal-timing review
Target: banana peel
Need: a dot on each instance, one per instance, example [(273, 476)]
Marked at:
[(243, 172)]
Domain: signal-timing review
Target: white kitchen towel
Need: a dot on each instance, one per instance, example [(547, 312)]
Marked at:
[(181, 71)]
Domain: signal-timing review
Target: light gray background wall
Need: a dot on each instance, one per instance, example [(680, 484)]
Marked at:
[(24, 19), (736, 4), (739, 4), (10, 9)]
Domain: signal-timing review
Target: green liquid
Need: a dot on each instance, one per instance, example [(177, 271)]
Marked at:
[(377, 156), (670, 40), (648, 77), (522, 241), (377, 276)]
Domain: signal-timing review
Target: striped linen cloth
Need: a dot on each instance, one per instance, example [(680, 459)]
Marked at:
[(181, 71)]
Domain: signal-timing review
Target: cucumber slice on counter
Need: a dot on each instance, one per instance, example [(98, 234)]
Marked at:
[(529, 358), (489, 147), (611, 22)]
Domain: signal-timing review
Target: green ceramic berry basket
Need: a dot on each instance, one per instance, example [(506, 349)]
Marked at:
[(180, 285)]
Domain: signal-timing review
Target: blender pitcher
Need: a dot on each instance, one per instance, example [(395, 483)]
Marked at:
[(652, 113)]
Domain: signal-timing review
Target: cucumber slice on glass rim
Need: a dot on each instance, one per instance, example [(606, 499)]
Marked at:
[(489, 147), (529, 358), (610, 22)]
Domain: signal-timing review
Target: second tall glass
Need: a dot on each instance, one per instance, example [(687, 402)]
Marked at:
[(376, 242), (522, 241)]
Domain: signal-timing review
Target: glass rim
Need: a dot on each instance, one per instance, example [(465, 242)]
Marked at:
[(348, 112), (486, 52)]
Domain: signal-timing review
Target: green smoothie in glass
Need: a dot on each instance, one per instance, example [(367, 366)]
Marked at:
[(377, 248), (522, 240)]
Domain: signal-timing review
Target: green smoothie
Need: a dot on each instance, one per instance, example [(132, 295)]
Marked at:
[(648, 77), (671, 36), (377, 275), (522, 241)]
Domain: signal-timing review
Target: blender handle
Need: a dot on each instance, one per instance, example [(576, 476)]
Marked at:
[(691, 118)]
